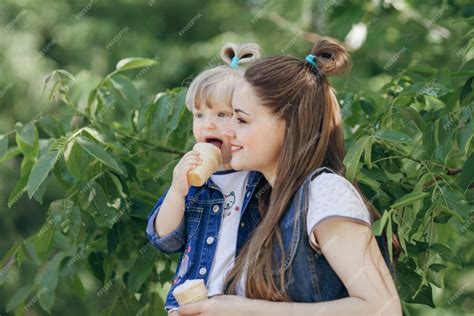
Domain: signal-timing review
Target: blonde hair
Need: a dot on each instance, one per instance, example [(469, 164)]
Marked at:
[(217, 84)]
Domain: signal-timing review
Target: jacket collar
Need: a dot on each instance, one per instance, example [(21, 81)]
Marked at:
[(254, 177)]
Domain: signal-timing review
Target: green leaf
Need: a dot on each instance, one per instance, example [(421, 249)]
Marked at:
[(41, 170), (465, 129), (352, 158), (444, 139), (96, 263), (394, 136), (47, 281), (135, 62), (97, 205), (157, 115), (467, 174), (178, 107), (20, 186), (456, 201), (51, 126), (44, 239), (67, 218), (100, 154), (409, 282), (389, 236), (19, 297), (38, 196), (466, 90), (409, 199), (8, 260), (3, 145), (435, 278), (445, 253), (141, 269), (26, 133), (11, 153), (442, 218), (77, 160), (378, 226), (419, 188), (437, 267), (368, 153), (28, 251), (126, 89), (27, 139)]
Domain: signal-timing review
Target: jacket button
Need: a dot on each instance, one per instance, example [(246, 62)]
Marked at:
[(215, 208), (242, 224), (202, 271), (210, 240)]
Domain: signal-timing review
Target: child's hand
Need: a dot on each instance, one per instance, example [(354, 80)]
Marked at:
[(180, 182)]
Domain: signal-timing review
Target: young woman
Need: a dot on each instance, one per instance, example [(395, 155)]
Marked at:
[(313, 252)]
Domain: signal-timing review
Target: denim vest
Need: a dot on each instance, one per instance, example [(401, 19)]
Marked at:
[(308, 275), (197, 234)]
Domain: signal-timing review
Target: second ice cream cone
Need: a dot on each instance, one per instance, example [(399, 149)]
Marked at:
[(190, 291)]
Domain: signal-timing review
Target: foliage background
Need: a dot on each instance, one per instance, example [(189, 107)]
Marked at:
[(96, 141)]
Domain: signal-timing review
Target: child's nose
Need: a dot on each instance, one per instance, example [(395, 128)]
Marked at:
[(210, 125)]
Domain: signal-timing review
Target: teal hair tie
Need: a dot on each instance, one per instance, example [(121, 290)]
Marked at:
[(235, 61), (312, 60)]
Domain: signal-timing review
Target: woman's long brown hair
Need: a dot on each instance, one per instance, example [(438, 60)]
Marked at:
[(301, 95)]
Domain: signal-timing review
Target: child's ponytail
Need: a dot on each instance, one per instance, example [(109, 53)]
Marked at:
[(217, 84), (239, 54)]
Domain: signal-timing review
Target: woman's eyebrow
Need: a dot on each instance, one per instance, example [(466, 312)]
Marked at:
[(241, 111)]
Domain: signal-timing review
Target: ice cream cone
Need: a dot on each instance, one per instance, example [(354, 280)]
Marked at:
[(190, 291), (211, 160)]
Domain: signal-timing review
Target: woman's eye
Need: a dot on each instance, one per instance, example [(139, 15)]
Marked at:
[(240, 121)]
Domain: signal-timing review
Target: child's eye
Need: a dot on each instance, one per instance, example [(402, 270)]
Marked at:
[(198, 115), (222, 114)]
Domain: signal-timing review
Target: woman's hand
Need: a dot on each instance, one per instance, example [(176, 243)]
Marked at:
[(228, 305)]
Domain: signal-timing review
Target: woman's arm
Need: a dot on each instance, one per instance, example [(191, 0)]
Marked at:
[(360, 266), (358, 263)]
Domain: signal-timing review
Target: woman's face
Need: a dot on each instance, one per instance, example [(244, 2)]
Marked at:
[(256, 135)]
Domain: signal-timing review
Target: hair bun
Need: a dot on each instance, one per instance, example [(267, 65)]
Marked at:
[(332, 57), (246, 53)]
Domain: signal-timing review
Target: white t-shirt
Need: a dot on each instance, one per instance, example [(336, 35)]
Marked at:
[(232, 184), (330, 195)]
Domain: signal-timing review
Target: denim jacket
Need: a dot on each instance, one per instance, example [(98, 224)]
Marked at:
[(197, 234), (308, 275)]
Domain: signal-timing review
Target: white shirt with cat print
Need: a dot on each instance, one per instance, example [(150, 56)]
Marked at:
[(232, 183)]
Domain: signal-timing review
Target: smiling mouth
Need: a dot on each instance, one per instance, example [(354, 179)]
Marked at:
[(214, 141), (234, 148)]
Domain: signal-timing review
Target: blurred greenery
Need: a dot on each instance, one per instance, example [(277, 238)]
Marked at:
[(86, 150)]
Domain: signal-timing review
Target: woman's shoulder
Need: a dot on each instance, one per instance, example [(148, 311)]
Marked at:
[(331, 181), (332, 193)]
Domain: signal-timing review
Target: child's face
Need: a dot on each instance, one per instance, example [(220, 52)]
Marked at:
[(209, 126)]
